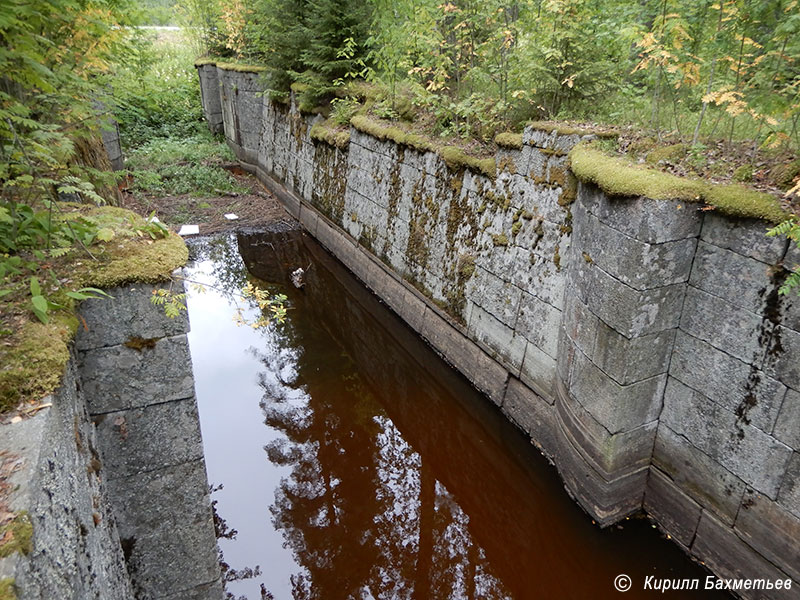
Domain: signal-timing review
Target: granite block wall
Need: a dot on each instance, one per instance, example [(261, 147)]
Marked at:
[(641, 344), (111, 471)]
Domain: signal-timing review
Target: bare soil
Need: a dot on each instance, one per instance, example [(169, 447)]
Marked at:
[(255, 209)]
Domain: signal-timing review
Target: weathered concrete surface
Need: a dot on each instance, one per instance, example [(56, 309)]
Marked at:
[(112, 473), (640, 343), (210, 97), (139, 392), (76, 551)]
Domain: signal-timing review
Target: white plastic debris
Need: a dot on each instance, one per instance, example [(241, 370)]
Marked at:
[(298, 278), (189, 230), (231, 216)]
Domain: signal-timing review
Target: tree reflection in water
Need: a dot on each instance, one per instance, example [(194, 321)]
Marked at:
[(394, 478), (361, 509)]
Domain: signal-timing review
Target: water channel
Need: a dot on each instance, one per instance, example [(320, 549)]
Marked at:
[(354, 463)]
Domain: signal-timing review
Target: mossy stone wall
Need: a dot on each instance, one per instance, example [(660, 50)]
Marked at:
[(640, 342)]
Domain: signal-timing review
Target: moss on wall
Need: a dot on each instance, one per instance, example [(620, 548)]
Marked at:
[(329, 133), (617, 177), (16, 535), (35, 355), (509, 140)]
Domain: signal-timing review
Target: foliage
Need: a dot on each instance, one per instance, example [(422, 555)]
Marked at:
[(155, 91), (791, 229)]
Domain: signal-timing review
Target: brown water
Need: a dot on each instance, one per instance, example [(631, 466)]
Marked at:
[(357, 464)]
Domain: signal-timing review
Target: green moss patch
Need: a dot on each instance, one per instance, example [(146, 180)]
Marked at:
[(454, 157), (327, 132), (509, 140), (34, 354), (618, 177), (240, 68), (16, 536), (7, 589), (566, 129), (205, 60), (672, 153)]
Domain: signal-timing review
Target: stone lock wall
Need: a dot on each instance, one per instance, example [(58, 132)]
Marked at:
[(640, 343), (111, 471)]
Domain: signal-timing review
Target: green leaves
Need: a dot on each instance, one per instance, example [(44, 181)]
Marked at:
[(41, 307)]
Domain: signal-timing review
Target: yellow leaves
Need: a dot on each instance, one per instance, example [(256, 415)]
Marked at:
[(730, 99), (449, 7), (647, 42)]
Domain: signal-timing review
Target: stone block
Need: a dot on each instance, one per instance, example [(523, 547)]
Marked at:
[(539, 372), (566, 358), (538, 322), (456, 348), (652, 221), (165, 523), (632, 313), (723, 325), (414, 310), (532, 413), (606, 501), (743, 236), (309, 219), (580, 325), (771, 530), (703, 479), (490, 377), (120, 377), (674, 511), (618, 408), (641, 265), (611, 455), (628, 361), (789, 309), (752, 455), (132, 313), (740, 280), (502, 342), (727, 381), (783, 363), (789, 496), (206, 591), (730, 558), (149, 438)]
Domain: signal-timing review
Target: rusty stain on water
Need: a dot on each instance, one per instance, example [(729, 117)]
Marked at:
[(356, 464)]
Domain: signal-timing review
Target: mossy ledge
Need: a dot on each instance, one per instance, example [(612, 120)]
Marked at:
[(33, 361), (509, 140), (325, 131), (454, 157), (565, 129), (239, 68), (618, 177), (206, 60), (7, 590)]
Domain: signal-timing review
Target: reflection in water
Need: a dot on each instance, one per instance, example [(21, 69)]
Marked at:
[(357, 465)]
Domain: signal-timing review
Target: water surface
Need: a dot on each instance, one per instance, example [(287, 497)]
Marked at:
[(356, 464)]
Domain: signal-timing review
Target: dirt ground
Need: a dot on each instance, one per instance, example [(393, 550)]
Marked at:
[(255, 209)]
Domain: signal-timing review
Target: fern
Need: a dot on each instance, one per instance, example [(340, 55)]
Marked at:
[(791, 229)]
